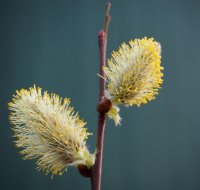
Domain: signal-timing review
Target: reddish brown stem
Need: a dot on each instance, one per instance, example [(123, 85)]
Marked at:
[(102, 39)]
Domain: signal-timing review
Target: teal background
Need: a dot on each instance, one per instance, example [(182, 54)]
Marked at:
[(54, 44)]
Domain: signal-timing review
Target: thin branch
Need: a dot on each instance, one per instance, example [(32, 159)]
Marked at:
[(102, 39), (107, 19)]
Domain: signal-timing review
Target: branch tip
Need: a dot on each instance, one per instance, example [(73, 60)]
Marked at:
[(107, 17)]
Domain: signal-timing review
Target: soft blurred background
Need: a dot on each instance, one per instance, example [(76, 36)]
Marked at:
[(54, 44)]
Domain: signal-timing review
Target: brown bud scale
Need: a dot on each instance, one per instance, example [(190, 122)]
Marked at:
[(84, 171), (104, 105)]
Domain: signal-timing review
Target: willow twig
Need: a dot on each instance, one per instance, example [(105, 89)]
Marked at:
[(102, 39)]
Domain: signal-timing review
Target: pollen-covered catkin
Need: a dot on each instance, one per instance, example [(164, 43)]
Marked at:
[(47, 128), (134, 73)]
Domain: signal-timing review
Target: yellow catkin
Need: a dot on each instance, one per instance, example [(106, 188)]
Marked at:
[(134, 72), (47, 128)]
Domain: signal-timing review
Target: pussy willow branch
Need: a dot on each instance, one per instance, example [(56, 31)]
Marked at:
[(102, 39)]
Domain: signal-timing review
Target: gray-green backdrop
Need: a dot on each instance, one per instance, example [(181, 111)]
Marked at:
[(54, 44)]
